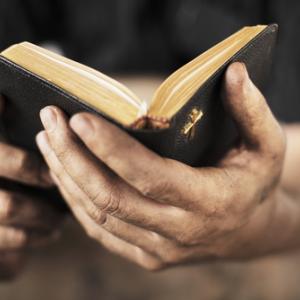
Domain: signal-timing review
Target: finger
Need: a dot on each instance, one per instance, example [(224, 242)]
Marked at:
[(118, 246), (13, 238), (166, 250), (151, 242), (20, 210), (163, 180), (247, 106), (24, 167), (128, 158), (147, 240), (117, 199), (154, 251), (111, 242)]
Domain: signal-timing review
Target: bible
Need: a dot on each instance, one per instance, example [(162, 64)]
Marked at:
[(185, 119)]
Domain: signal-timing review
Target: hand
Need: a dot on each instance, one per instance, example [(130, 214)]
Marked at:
[(159, 212), (25, 221)]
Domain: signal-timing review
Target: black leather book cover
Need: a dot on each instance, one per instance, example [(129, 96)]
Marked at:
[(203, 144)]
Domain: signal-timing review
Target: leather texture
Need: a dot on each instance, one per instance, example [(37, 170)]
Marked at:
[(26, 94), (215, 131)]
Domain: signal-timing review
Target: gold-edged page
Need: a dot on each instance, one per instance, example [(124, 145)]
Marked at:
[(180, 86), (93, 88)]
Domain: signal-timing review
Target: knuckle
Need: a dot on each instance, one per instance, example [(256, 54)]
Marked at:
[(108, 202), (153, 189), (145, 187), (61, 152), (96, 215), (155, 238)]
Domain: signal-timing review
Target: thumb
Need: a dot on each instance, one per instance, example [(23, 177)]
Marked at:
[(250, 111)]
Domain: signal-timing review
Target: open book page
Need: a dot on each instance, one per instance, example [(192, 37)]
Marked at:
[(111, 98), (180, 86), (95, 89)]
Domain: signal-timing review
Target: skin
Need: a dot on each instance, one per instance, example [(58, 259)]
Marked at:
[(159, 212), (25, 222)]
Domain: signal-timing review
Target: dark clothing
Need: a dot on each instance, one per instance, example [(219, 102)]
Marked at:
[(157, 36)]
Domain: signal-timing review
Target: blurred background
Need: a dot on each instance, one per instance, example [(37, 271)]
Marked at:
[(139, 42), (77, 268)]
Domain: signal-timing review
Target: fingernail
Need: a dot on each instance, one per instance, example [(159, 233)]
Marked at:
[(245, 71), (242, 64), (48, 118), (81, 125), (237, 76), (42, 141)]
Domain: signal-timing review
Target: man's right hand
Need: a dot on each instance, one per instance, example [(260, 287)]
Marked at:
[(25, 221)]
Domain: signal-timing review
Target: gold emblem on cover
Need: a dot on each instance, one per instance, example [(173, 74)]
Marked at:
[(193, 118)]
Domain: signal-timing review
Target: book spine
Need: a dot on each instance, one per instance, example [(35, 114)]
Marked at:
[(151, 122)]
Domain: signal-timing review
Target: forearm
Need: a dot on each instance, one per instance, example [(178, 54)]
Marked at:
[(275, 225)]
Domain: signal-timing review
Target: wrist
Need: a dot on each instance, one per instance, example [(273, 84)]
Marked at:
[(273, 227)]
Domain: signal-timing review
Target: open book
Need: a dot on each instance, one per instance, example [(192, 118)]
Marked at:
[(184, 119)]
